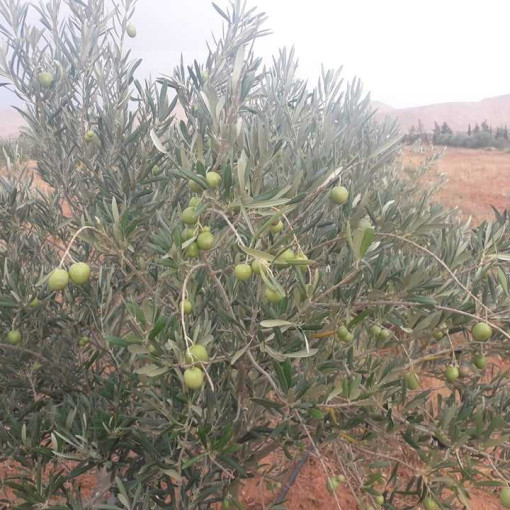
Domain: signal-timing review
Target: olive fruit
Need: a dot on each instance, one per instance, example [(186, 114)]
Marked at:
[(83, 341), (344, 334), (504, 497), (342, 330), (385, 334), (193, 378), (196, 353), (374, 330), (243, 272), (481, 332), (79, 273), (192, 250), (131, 30), (58, 280), (430, 504), (332, 484), (438, 334), (187, 306), (285, 257), (379, 499), (194, 186), (480, 361), (213, 179), (188, 216), (194, 201), (276, 227), (302, 256), (89, 136), (205, 241), (412, 381), (35, 302), (273, 296), (339, 195), (256, 267), (452, 373), (45, 79), (14, 337)]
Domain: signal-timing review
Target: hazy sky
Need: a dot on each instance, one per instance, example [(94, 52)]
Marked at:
[(407, 52)]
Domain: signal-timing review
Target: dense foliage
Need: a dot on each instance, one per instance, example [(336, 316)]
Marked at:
[(323, 289)]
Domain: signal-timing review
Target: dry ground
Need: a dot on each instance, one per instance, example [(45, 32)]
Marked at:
[(476, 179)]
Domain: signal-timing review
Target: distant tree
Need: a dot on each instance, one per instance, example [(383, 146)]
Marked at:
[(485, 127), (476, 130), (436, 134), (416, 134), (469, 130), (446, 129)]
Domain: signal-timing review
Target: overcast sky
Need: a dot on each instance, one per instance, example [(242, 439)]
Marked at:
[(407, 52)]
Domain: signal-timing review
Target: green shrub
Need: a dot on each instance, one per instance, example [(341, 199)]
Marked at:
[(104, 376)]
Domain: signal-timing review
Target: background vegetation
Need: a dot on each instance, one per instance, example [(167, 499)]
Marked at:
[(477, 137)]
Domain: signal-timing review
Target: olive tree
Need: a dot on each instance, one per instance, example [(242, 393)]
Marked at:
[(224, 263)]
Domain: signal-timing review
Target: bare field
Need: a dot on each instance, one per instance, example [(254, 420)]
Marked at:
[(476, 178)]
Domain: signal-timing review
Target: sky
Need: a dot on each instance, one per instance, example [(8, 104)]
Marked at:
[(407, 52)]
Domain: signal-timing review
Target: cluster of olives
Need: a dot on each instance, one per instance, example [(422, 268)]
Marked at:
[(380, 334), (79, 274), (244, 271), (480, 332), (194, 376), (334, 482), (205, 239)]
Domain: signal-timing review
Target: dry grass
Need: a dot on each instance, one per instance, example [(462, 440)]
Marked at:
[(476, 179)]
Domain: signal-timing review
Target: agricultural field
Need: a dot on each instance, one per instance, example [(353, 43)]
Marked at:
[(476, 179)]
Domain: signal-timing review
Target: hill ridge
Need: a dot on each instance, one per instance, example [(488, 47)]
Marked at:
[(458, 114)]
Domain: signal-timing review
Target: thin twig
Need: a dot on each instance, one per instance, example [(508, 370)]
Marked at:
[(263, 372), (319, 456), (295, 472), (229, 223), (16, 348), (69, 246), (366, 304), (445, 266)]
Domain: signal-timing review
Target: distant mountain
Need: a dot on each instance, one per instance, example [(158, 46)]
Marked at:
[(10, 122), (494, 110)]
